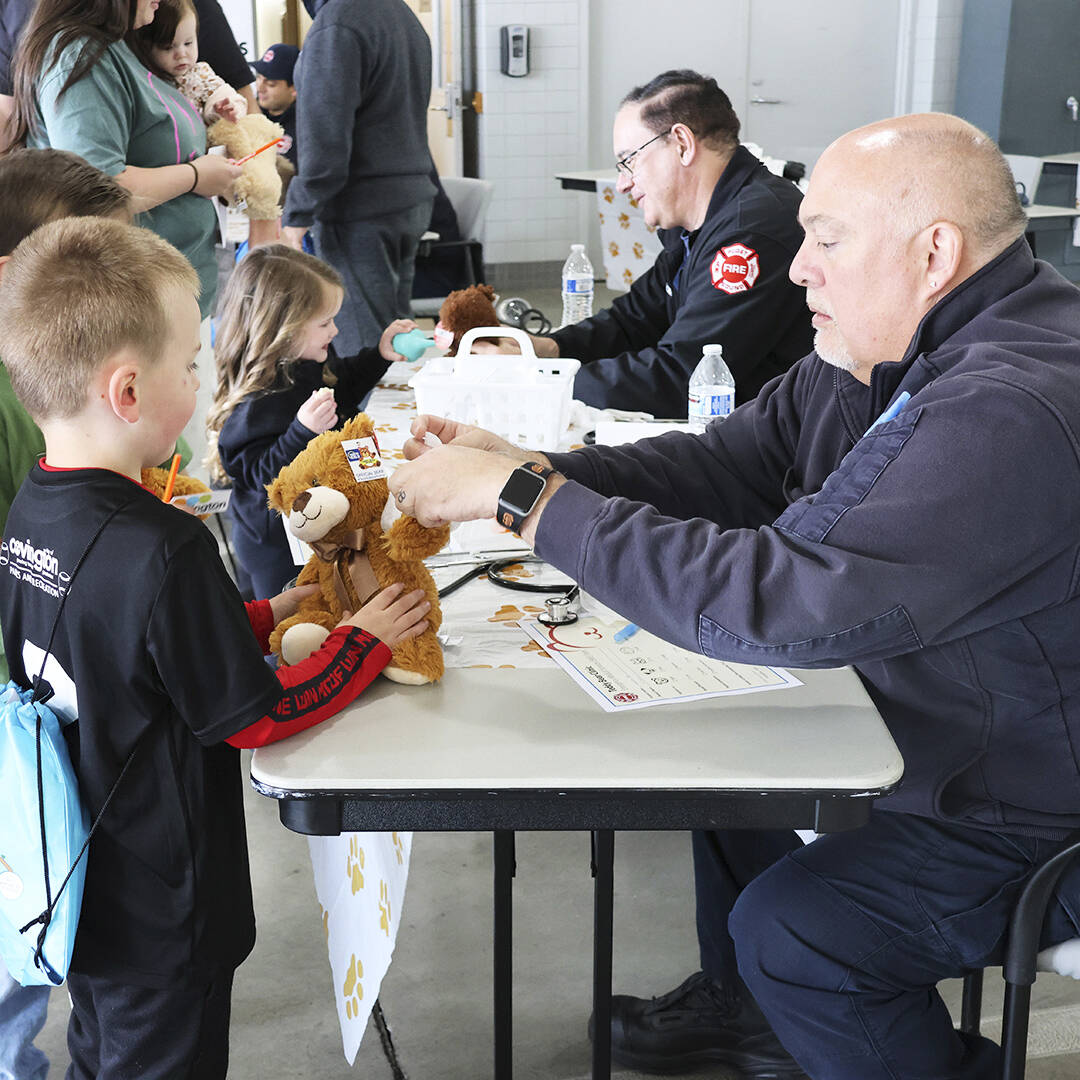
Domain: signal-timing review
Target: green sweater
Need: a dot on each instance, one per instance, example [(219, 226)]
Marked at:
[(21, 445), (119, 114)]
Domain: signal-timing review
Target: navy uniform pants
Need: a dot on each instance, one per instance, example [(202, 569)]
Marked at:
[(842, 942)]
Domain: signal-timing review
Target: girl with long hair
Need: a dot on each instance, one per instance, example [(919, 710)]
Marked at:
[(278, 386)]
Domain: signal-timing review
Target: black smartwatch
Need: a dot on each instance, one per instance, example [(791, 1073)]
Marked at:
[(520, 494)]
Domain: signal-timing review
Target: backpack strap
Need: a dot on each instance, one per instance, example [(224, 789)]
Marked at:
[(42, 692)]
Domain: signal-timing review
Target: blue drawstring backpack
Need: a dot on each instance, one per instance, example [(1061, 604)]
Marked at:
[(39, 899), (44, 827)]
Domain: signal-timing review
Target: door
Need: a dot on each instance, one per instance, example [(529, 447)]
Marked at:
[(442, 21), (1040, 111), (816, 70)]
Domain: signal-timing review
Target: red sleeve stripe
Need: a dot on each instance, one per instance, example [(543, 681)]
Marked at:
[(261, 617), (318, 687)]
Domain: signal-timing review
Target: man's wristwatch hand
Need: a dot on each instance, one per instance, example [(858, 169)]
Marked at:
[(521, 493)]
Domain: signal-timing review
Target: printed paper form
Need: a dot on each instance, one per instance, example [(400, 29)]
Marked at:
[(641, 670)]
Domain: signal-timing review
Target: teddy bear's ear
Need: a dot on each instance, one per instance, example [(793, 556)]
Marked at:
[(359, 427), (488, 291)]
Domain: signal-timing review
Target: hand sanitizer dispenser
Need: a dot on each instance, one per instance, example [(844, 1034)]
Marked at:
[(514, 51)]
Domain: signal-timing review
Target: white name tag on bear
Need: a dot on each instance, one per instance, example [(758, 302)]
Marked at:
[(363, 458)]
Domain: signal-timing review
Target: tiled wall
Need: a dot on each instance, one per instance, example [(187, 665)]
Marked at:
[(935, 54), (533, 127), (536, 126)]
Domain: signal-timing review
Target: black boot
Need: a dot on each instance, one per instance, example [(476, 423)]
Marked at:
[(698, 1023)]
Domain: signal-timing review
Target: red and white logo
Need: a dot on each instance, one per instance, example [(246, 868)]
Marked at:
[(625, 697), (268, 56), (735, 268)]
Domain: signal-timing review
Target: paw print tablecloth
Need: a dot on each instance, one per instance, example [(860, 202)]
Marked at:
[(360, 883), (630, 246)]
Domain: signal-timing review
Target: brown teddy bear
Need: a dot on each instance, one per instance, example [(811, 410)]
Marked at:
[(464, 310), (156, 478), (259, 186), (332, 496)]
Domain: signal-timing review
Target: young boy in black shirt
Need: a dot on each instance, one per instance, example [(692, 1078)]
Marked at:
[(154, 652)]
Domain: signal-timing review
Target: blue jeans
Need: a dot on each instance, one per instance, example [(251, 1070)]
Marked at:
[(22, 1016), (843, 942)]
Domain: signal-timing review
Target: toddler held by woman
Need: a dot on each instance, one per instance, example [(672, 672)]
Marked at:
[(170, 48)]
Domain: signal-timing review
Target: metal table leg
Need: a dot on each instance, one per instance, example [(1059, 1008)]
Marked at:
[(603, 868), (503, 950)]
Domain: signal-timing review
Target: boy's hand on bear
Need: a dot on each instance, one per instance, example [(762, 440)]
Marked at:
[(285, 603), (319, 412), (391, 616), (386, 342)]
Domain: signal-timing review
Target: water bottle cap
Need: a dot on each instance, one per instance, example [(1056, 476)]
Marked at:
[(577, 247), (715, 347)]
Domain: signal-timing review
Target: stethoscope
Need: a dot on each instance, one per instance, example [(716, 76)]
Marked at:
[(560, 609)]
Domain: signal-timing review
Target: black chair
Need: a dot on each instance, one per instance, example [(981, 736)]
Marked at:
[(470, 199), (1022, 961)]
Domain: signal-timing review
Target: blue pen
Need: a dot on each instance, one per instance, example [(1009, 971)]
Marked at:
[(893, 410), (628, 631)]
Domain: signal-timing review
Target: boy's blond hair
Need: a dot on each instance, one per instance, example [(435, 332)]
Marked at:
[(75, 292)]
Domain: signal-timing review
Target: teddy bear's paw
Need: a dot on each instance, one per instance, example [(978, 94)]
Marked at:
[(301, 640), (409, 678)]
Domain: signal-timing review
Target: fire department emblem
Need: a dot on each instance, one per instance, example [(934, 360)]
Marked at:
[(735, 268)]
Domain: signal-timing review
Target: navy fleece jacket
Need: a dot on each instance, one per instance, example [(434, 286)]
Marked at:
[(939, 554)]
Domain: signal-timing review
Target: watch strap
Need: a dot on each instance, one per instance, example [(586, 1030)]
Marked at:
[(512, 516)]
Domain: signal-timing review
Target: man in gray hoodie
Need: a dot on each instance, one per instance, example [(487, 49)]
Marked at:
[(362, 186)]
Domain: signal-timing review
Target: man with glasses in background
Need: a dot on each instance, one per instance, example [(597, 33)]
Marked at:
[(730, 231)]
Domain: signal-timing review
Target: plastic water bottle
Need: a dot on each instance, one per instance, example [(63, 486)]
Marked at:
[(711, 394), (577, 286)]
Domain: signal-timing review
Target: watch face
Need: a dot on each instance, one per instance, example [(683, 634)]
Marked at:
[(522, 490)]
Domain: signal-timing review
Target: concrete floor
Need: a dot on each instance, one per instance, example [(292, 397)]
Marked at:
[(437, 994)]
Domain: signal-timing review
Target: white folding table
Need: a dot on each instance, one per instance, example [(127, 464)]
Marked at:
[(525, 749)]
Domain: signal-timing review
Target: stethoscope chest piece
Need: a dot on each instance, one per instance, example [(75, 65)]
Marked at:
[(559, 610)]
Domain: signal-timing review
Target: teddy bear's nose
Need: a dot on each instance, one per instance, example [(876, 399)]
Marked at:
[(301, 501)]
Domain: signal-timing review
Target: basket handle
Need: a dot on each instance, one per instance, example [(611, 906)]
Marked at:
[(523, 339)]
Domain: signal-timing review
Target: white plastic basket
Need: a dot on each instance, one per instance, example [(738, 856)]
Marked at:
[(525, 399)]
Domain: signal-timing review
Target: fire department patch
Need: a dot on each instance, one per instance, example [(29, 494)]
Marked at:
[(735, 268)]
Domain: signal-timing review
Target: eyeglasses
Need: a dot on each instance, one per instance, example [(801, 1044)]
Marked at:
[(623, 164)]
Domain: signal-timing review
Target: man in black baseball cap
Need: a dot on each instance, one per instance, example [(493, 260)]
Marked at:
[(276, 93)]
